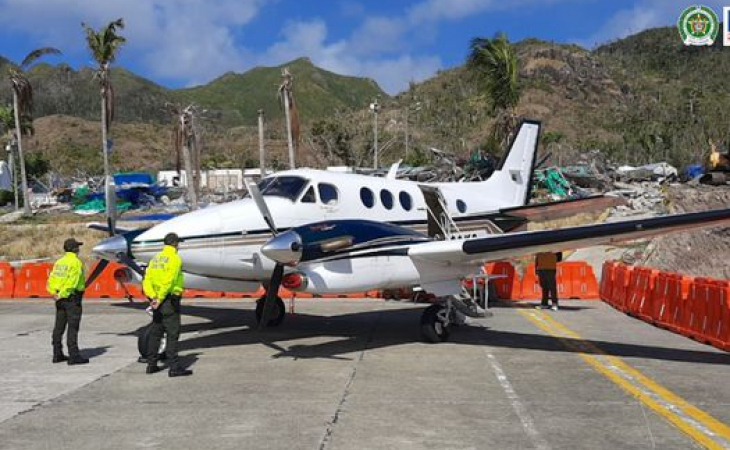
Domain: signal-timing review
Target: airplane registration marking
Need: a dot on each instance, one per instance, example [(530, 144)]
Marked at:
[(696, 423)]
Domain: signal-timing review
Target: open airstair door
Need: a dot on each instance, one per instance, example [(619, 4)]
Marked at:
[(440, 225)]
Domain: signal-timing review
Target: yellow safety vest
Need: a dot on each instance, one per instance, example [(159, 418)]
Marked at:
[(67, 276), (164, 275)]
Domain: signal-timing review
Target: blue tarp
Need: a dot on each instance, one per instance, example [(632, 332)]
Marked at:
[(133, 178)]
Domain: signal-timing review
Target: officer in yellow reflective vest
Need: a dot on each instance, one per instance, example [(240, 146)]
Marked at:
[(163, 285), (67, 284)]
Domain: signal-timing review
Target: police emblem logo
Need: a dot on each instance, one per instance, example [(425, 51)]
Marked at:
[(698, 25)]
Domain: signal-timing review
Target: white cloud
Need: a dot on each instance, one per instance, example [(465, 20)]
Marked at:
[(182, 40)]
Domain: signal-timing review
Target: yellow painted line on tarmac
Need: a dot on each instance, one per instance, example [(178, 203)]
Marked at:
[(699, 425)]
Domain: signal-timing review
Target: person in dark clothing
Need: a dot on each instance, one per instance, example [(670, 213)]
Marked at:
[(546, 266), (67, 284)]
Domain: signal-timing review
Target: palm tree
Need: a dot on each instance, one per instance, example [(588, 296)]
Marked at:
[(23, 107), (104, 45), (494, 63)]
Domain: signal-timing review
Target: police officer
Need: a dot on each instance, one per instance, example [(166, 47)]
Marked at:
[(163, 285), (66, 283)]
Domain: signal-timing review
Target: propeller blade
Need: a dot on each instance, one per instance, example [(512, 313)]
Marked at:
[(271, 293), (131, 263), (110, 197), (97, 271), (261, 204)]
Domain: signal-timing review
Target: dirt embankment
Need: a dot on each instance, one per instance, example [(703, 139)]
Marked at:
[(700, 252)]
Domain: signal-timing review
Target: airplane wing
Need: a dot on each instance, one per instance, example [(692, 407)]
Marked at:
[(440, 263)]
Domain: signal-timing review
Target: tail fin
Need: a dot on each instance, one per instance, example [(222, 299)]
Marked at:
[(512, 181)]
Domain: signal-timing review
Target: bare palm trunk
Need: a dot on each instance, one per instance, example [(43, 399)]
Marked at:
[(23, 179), (292, 164), (189, 181), (262, 150), (108, 188)]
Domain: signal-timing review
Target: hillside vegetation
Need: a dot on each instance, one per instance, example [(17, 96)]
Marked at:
[(643, 98)]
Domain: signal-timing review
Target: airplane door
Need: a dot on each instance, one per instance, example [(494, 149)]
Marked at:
[(329, 198)]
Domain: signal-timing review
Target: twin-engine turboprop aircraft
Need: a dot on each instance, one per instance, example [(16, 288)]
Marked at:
[(221, 245)]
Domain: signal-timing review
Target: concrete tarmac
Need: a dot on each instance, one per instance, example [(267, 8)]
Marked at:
[(354, 374)]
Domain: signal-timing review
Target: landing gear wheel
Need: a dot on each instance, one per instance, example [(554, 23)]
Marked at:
[(143, 343), (276, 316), (434, 324)]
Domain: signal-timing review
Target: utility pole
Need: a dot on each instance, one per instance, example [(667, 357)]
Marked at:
[(374, 107), (11, 158), (262, 151), (407, 110)]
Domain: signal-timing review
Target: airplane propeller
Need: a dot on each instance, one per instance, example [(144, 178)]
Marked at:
[(111, 221), (272, 291)]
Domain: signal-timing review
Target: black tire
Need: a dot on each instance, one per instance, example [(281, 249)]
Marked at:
[(432, 328), (143, 342), (277, 316)]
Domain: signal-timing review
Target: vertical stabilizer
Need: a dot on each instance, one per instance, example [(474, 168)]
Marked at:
[(511, 183)]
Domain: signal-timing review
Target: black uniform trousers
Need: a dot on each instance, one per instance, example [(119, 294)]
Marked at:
[(165, 319), (68, 314), (549, 286)]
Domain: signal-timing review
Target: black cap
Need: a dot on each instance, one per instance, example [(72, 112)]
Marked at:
[(71, 245), (171, 239)]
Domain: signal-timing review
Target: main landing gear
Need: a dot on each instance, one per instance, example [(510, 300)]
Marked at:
[(439, 319), (276, 317)]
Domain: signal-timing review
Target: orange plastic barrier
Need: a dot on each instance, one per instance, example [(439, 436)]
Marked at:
[(256, 294), (607, 273), (508, 288), (575, 279), (196, 293), (30, 281), (703, 318), (719, 315), (671, 291), (7, 280), (638, 293), (619, 289), (105, 285), (578, 280)]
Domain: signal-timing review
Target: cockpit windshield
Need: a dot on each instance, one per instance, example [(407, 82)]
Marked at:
[(285, 186)]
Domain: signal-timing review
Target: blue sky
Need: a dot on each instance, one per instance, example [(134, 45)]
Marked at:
[(186, 42)]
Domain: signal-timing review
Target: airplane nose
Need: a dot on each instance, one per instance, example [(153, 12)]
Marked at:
[(110, 247), (285, 248)]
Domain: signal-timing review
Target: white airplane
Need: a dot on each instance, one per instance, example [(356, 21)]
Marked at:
[(221, 245)]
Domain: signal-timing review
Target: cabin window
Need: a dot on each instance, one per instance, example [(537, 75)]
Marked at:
[(309, 196), (405, 200), (327, 193), (461, 206), (386, 198), (285, 186), (367, 197)]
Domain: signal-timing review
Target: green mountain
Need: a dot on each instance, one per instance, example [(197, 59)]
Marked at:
[(318, 93), (233, 99)]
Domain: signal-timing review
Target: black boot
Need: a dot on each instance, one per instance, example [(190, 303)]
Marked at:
[(77, 359), (59, 357), (152, 368), (179, 372)]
